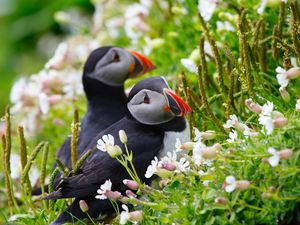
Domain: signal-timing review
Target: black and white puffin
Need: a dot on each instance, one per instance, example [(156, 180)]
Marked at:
[(153, 110), (104, 74)]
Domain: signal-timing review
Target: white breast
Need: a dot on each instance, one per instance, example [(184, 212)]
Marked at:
[(170, 140)]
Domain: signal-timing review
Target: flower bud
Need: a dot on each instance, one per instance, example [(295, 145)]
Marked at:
[(242, 184), (208, 135), (163, 183), (136, 216), (130, 194), (284, 94), (266, 195), (280, 122), (62, 17), (163, 173), (272, 189), (265, 160), (187, 146), (211, 152), (221, 200), (252, 106), (133, 185), (114, 151), (178, 10), (123, 136), (83, 206), (169, 166), (285, 153), (293, 73), (277, 114), (156, 42), (113, 195)]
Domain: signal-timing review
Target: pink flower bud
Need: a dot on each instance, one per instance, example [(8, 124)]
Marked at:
[(242, 184), (284, 94), (280, 122), (113, 195), (130, 194), (277, 114), (254, 107), (187, 146), (136, 216), (285, 153), (221, 200), (123, 136), (133, 185), (293, 73), (53, 99), (211, 152), (169, 166), (83, 206)]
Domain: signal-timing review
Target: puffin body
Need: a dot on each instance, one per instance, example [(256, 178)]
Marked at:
[(153, 110), (104, 74)]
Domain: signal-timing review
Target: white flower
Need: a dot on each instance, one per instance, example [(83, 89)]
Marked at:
[(224, 26), (274, 159), (59, 58), (152, 168), (197, 135), (190, 65), (207, 8), (233, 120), (267, 122), (247, 131), (298, 104), (170, 157), (281, 77), (233, 136), (183, 165), (103, 188), (230, 184), (107, 140), (124, 216), (44, 103), (262, 6), (198, 153)]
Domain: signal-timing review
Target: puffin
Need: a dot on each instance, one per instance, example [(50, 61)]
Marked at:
[(153, 110), (104, 73)]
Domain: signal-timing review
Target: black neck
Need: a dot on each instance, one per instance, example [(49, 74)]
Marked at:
[(95, 90)]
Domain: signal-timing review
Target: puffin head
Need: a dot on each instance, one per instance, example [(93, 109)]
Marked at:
[(113, 65), (152, 102)]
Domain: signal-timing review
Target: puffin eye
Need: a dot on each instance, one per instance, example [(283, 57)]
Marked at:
[(146, 99), (116, 57)]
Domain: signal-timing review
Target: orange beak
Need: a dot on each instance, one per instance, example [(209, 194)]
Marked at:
[(146, 63), (177, 105)]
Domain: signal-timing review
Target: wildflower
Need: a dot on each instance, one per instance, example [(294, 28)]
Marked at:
[(83, 206), (254, 107), (130, 194), (152, 168), (207, 8), (187, 146), (123, 136), (283, 76), (280, 122), (183, 165), (134, 216), (206, 135), (221, 200), (231, 184), (233, 121), (60, 58), (233, 136), (298, 104), (197, 135), (105, 192), (133, 185), (265, 118), (189, 65), (285, 153), (274, 159), (106, 144), (284, 94), (197, 153), (169, 166), (44, 103)]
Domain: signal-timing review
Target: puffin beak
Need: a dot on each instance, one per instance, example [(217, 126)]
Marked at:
[(176, 104), (147, 65)]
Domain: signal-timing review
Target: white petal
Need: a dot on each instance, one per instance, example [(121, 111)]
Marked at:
[(197, 134), (272, 151), (282, 80), (274, 160), (229, 188), (280, 70), (189, 65), (230, 180)]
